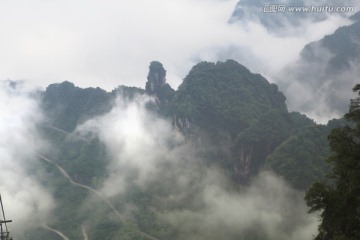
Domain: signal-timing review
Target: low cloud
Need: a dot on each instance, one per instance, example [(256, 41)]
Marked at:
[(195, 197), (267, 209), (26, 202), (275, 46), (137, 140), (317, 88), (268, 52)]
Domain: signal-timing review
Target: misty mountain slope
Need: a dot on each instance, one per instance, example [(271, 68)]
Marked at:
[(247, 10), (220, 103), (225, 94), (319, 83), (67, 105), (170, 162), (165, 188), (300, 159), (237, 108), (282, 22)]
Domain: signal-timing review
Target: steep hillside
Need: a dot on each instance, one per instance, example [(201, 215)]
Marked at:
[(217, 102), (134, 163), (67, 106), (225, 95), (229, 104), (300, 159), (319, 83)]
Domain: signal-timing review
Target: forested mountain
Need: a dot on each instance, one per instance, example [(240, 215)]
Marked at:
[(220, 102), (157, 146), (337, 197), (67, 106), (323, 73), (300, 158), (229, 154), (230, 104)]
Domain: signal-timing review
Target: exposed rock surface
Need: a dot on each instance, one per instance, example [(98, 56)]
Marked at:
[(156, 78)]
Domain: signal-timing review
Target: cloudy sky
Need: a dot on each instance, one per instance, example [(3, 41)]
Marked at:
[(108, 43)]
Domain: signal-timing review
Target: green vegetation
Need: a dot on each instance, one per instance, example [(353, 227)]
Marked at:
[(300, 158), (337, 197), (229, 104), (236, 120), (67, 105), (225, 96)]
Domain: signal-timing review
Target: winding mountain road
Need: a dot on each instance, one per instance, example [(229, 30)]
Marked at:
[(83, 230), (67, 133), (56, 231), (66, 175), (99, 195)]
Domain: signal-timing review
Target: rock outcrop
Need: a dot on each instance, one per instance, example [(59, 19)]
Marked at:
[(156, 78)]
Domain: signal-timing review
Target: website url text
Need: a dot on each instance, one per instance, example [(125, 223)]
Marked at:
[(279, 8)]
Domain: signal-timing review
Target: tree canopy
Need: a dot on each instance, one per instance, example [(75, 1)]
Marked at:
[(338, 197)]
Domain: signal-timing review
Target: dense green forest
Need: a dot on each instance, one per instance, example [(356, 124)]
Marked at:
[(337, 196), (223, 123)]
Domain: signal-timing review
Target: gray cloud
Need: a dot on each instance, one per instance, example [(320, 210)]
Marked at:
[(26, 201)]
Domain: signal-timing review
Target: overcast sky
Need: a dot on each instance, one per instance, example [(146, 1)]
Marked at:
[(108, 43)]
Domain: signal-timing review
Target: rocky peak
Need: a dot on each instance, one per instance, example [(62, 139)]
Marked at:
[(156, 77)]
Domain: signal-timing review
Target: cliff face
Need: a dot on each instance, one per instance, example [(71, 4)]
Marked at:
[(156, 78), (226, 103), (238, 115), (157, 87)]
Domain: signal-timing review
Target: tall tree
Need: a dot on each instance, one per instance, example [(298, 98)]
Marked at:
[(338, 198)]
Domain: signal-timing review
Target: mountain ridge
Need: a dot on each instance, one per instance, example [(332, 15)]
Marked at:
[(224, 116)]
